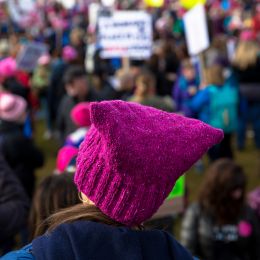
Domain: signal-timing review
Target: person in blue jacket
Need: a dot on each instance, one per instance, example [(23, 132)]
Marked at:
[(217, 104), (123, 176)]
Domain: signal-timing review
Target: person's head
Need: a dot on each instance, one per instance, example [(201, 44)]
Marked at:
[(125, 80), (214, 75), (223, 190), (4, 48), (69, 54), (76, 36), (13, 108), (80, 114), (66, 159), (136, 67), (54, 193), (246, 54), (131, 158), (44, 60), (188, 70), (8, 68), (145, 84), (76, 82)]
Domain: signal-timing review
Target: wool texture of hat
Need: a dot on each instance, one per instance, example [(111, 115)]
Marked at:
[(80, 114), (12, 107), (65, 156), (132, 156)]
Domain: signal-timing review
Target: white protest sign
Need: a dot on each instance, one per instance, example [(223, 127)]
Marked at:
[(196, 30), (93, 11), (19, 9), (29, 55), (125, 34)]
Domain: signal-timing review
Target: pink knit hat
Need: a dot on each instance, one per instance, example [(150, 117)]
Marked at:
[(247, 35), (44, 59), (12, 107), (80, 115), (132, 156), (65, 156), (69, 53), (8, 67)]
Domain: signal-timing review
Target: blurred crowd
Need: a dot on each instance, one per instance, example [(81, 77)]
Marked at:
[(220, 87)]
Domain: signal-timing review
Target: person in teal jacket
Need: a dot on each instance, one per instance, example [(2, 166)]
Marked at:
[(217, 105)]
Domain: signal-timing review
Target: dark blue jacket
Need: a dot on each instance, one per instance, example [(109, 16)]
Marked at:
[(95, 241)]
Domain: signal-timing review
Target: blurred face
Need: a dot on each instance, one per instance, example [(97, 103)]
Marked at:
[(78, 88), (189, 73)]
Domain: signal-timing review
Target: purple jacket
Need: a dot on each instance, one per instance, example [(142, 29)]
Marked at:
[(181, 95)]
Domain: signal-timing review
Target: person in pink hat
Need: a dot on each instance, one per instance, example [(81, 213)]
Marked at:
[(81, 118), (66, 160), (18, 150), (126, 167)]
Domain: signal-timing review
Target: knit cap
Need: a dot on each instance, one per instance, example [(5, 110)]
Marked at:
[(69, 53), (8, 67), (132, 156), (65, 158), (80, 114), (12, 107)]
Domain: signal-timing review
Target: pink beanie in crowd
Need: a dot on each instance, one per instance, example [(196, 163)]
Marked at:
[(247, 35), (12, 107), (69, 53), (65, 156), (80, 115), (44, 60), (8, 67), (132, 156)]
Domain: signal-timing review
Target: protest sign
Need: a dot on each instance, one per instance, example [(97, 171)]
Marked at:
[(19, 9), (196, 30), (29, 55), (93, 11), (125, 34)]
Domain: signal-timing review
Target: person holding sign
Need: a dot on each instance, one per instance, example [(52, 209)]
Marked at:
[(126, 168)]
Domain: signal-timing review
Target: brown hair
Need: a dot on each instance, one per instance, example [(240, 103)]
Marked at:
[(214, 75), (145, 83), (186, 64), (246, 54), (223, 177), (79, 212), (55, 192)]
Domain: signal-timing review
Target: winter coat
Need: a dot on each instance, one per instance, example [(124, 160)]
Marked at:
[(14, 204), (182, 96), (90, 240), (20, 153), (209, 241), (249, 82)]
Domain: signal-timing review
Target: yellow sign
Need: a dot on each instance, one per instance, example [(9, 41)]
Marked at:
[(154, 3), (188, 4)]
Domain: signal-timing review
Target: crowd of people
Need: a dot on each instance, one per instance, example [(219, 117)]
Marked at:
[(127, 130)]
